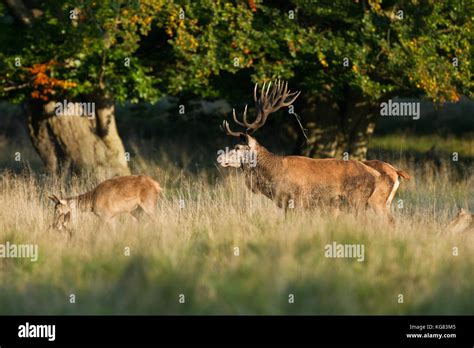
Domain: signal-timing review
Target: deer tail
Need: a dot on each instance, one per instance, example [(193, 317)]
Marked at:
[(403, 174)]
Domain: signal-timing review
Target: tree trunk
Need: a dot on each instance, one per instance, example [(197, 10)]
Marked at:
[(359, 124), (321, 120), (336, 128), (77, 144)]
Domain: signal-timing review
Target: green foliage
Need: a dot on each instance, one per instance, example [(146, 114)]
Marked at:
[(87, 43), (206, 47), (388, 52)]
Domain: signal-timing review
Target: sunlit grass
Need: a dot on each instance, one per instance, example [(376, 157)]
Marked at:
[(423, 143), (192, 251)]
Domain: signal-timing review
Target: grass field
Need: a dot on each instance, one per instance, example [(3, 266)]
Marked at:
[(192, 251), (423, 143)]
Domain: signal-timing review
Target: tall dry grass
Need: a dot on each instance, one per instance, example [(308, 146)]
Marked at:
[(191, 251)]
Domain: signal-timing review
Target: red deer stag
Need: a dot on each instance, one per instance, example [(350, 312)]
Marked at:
[(297, 181)]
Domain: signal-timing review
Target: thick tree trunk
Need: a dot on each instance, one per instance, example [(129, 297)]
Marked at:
[(73, 143), (359, 124), (321, 120), (336, 128), (77, 143)]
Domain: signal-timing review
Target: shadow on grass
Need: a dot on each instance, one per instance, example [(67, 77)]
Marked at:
[(143, 286)]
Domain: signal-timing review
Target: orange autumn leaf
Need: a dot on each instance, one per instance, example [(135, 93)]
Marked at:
[(43, 84), (252, 5)]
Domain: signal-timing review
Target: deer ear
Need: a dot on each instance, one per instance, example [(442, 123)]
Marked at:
[(55, 199)]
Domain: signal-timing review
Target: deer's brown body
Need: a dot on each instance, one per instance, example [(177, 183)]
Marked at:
[(124, 194), (306, 182), (298, 180)]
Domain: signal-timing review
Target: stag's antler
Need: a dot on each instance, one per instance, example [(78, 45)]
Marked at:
[(269, 102)]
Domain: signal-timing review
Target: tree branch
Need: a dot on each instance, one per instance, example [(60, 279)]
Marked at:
[(14, 88)]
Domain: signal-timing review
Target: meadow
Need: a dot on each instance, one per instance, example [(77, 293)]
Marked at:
[(205, 214)]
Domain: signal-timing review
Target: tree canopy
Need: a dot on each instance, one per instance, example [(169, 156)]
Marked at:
[(141, 49)]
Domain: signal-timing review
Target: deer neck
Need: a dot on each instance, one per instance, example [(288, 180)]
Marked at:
[(261, 176), (84, 202)]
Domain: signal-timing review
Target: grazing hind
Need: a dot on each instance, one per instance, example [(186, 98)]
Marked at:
[(124, 194)]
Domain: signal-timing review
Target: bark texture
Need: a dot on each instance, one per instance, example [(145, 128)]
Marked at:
[(77, 143), (338, 127)]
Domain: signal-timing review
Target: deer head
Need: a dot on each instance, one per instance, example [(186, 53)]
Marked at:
[(270, 100), (63, 211)]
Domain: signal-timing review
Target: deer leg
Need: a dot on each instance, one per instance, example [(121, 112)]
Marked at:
[(106, 220), (388, 203), (393, 191), (356, 204), (382, 197), (110, 221), (381, 211), (334, 206), (134, 218), (378, 202), (136, 214), (335, 211), (289, 212), (149, 208), (287, 203)]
